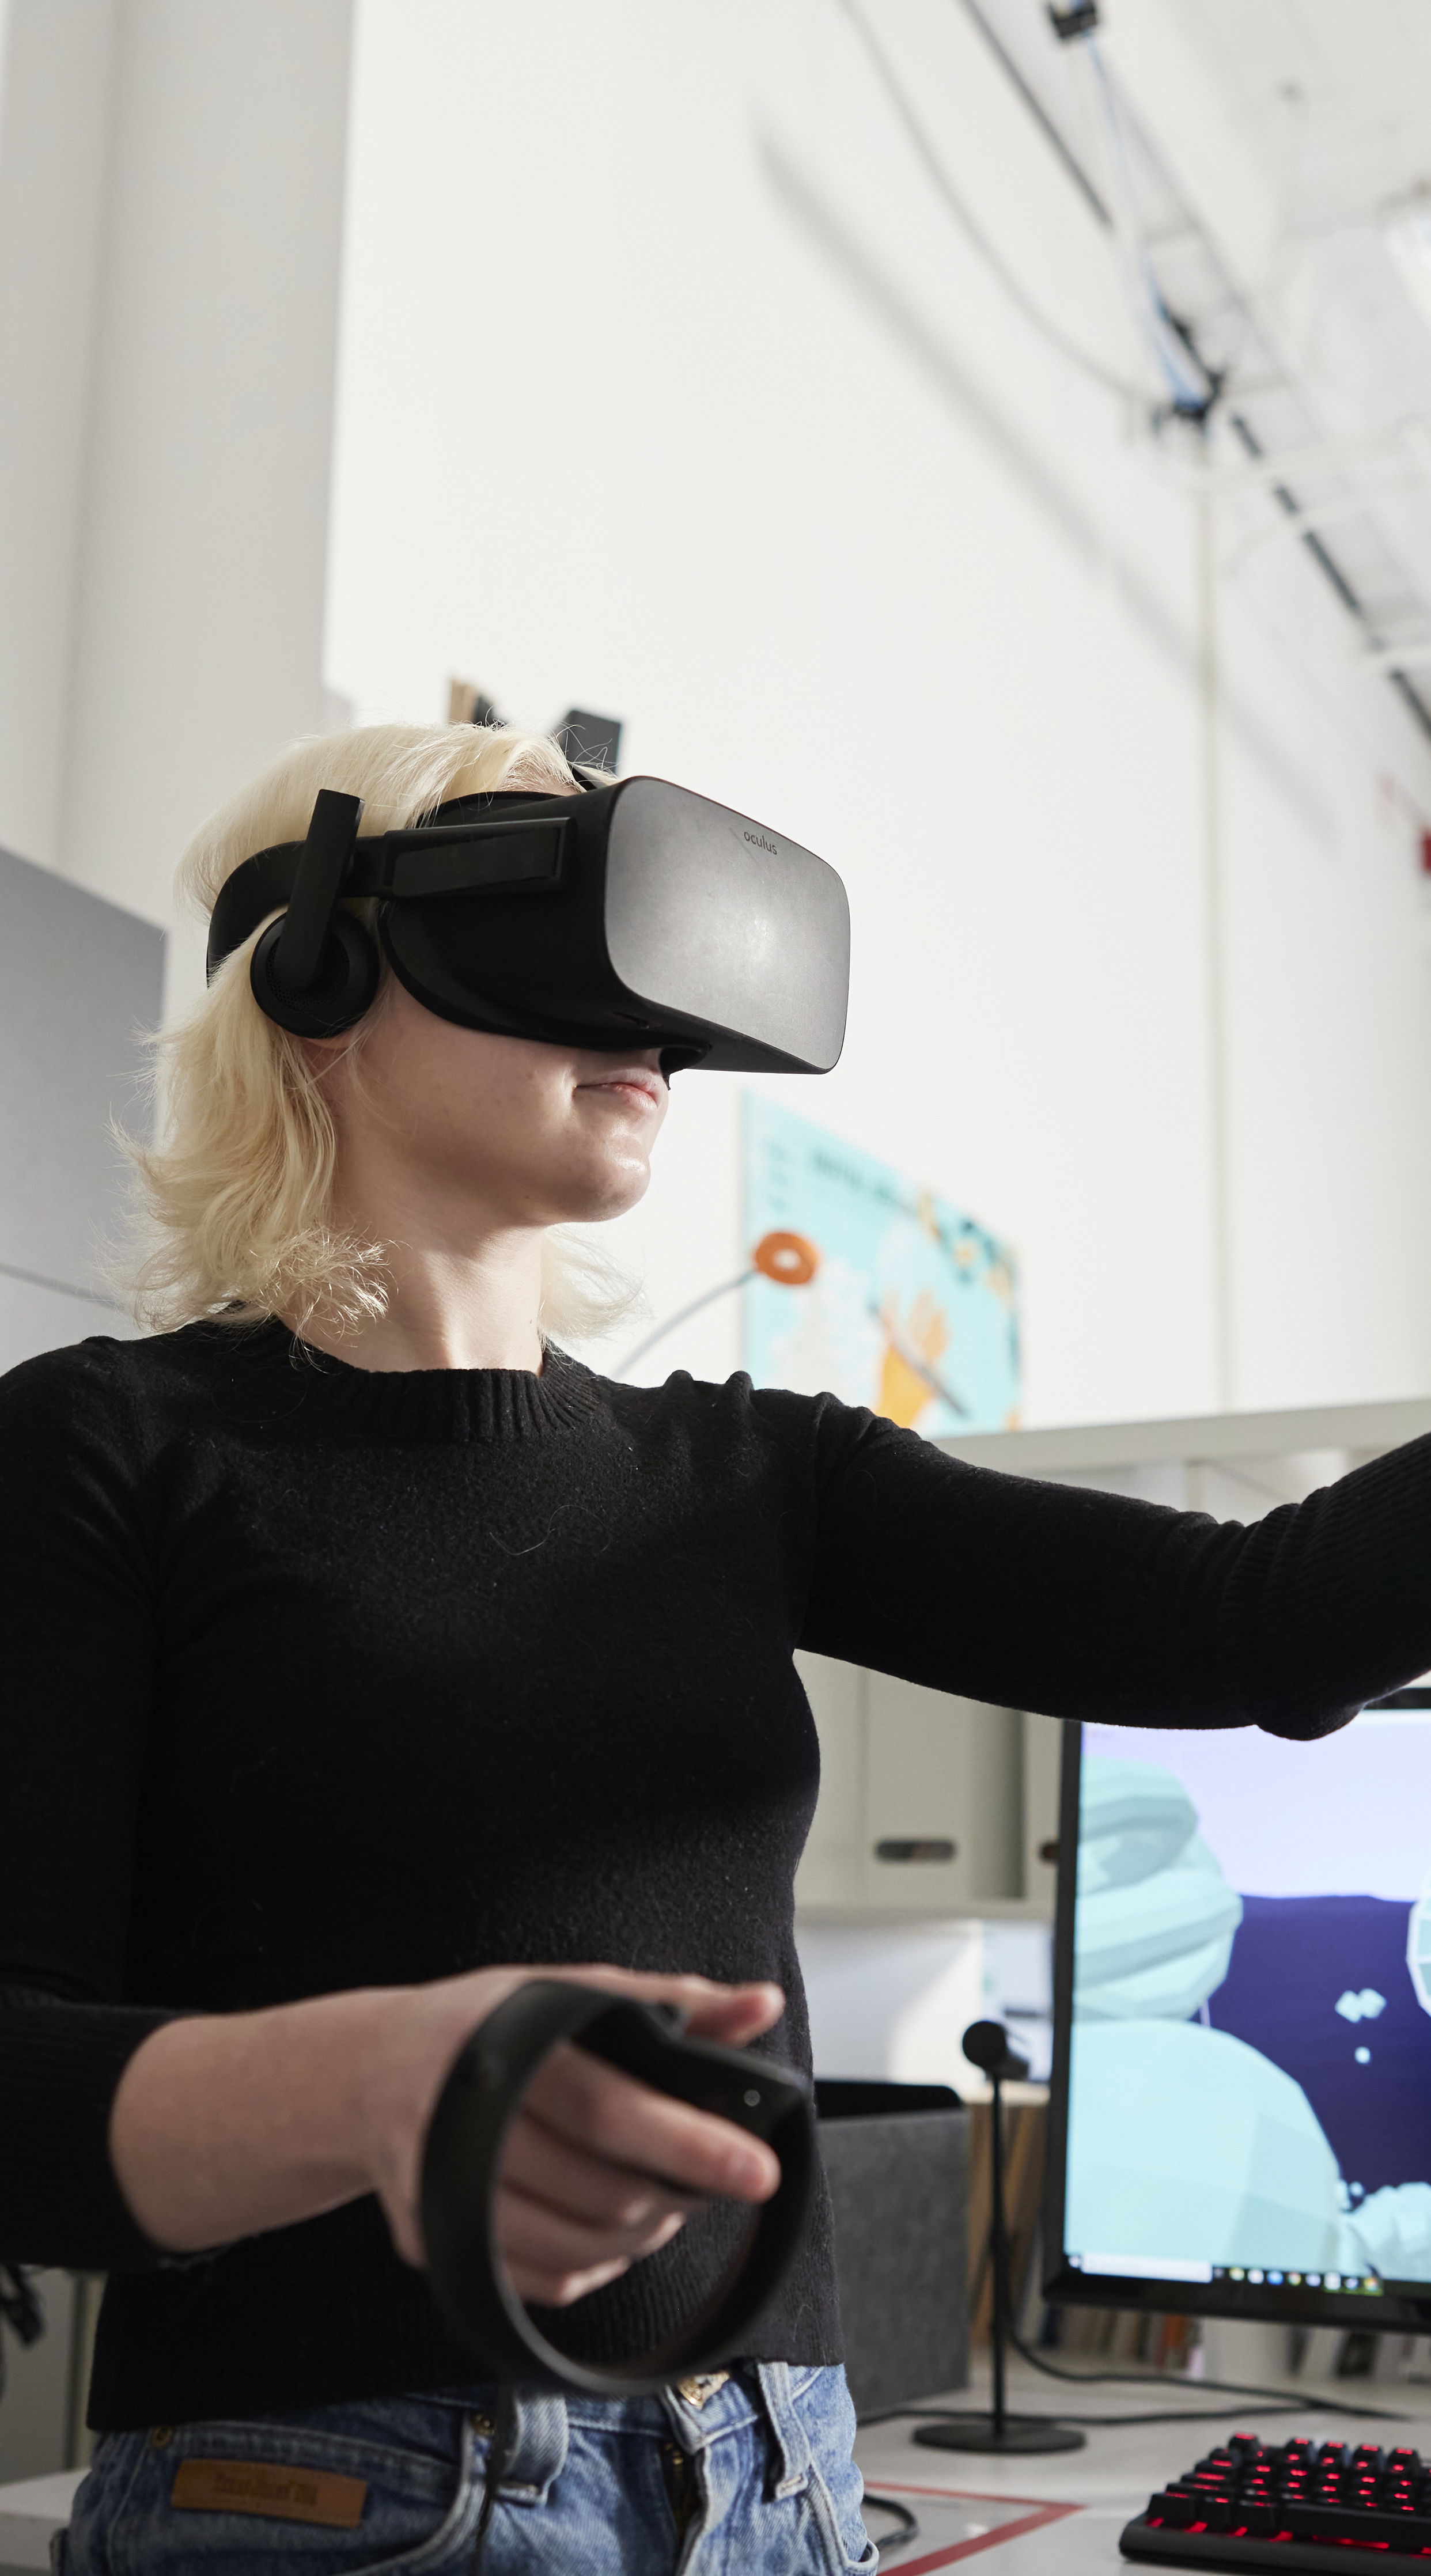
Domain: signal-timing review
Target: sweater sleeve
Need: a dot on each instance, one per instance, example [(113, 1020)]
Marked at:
[(1088, 1605), (76, 1634)]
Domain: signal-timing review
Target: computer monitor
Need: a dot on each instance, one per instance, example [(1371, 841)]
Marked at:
[(1240, 2114)]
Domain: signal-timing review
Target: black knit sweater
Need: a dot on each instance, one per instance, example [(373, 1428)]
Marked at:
[(320, 1678)]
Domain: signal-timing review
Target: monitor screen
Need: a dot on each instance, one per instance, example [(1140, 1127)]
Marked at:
[(1242, 2075)]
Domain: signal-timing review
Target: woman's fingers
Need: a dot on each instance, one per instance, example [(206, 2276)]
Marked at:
[(600, 2170), (592, 2107), (732, 2013), (737, 2014), (534, 2238), (561, 2289), (546, 2167)]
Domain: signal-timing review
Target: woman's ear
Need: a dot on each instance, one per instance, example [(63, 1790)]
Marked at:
[(322, 1055)]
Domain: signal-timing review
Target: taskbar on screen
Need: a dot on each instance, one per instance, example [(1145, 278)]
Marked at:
[(1365, 2284), (1180, 2269)]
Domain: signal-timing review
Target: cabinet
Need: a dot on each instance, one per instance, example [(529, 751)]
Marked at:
[(929, 1804)]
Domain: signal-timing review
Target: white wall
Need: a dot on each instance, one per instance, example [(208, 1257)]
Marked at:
[(1329, 994), (892, 2001), (667, 388), (893, 2005)]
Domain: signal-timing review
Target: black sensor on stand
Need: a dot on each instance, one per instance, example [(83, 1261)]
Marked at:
[(986, 2045)]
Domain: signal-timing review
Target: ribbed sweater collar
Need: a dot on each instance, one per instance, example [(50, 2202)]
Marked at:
[(301, 1383)]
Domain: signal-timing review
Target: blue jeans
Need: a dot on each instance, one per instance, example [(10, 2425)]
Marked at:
[(757, 2481)]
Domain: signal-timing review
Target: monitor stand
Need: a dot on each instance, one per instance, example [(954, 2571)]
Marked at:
[(991, 2433)]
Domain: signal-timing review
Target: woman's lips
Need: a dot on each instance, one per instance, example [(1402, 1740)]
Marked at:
[(643, 1087)]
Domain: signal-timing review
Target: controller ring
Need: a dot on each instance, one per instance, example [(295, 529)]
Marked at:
[(462, 2163)]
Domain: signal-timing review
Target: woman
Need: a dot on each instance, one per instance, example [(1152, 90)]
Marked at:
[(368, 1654)]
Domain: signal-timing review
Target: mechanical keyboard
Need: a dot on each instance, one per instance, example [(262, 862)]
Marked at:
[(1302, 2505)]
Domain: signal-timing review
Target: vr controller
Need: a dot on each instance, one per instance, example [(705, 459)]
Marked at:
[(462, 2166), (632, 915)]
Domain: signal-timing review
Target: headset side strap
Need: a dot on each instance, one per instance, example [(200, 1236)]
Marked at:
[(322, 872), (503, 856)]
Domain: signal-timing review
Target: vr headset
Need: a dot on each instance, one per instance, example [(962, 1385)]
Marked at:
[(634, 915)]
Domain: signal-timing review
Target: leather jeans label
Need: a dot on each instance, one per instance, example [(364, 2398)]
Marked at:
[(262, 2486)]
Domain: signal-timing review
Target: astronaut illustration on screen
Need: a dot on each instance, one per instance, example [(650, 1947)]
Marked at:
[(1251, 2050)]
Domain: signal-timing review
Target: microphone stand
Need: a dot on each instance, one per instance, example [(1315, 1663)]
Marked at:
[(986, 2045)]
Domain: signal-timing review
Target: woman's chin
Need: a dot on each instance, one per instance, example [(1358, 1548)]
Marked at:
[(608, 1194)]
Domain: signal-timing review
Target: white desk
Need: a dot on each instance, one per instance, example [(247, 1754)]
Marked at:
[(29, 2511), (1107, 2483)]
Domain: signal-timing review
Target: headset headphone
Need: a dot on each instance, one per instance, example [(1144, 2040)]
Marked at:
[(316, 968)]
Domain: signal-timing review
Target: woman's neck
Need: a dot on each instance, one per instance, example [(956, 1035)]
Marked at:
[(449, 1309)]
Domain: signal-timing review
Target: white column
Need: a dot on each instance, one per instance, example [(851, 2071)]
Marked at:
[(56, 96), (188, 185)]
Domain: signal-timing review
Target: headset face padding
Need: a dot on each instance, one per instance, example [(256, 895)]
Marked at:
[(346, 987)]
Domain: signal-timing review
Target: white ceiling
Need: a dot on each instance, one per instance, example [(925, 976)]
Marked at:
[(1333, 99), (1320, 342), (1335, 95)]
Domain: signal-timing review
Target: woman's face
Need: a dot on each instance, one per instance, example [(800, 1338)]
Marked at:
[(512, 1130)]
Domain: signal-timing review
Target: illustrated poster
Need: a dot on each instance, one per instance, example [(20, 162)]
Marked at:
[(909, 1307)]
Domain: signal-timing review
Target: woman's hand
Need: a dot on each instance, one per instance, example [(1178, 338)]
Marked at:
[(598, 2169), (227, 2124)]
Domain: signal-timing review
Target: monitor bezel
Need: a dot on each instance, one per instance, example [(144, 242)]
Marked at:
[(1399, 2307)]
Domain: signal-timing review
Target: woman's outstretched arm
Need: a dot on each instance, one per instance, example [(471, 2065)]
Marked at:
[(1090, 1605)]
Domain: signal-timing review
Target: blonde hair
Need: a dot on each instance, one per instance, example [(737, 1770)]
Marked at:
[(237, 1194)]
